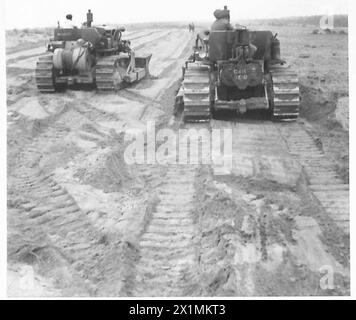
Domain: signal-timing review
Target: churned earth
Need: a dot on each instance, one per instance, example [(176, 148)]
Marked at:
[(83, 221)]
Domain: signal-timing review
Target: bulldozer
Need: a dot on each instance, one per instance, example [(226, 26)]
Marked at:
[(236, 69), (95, 55)]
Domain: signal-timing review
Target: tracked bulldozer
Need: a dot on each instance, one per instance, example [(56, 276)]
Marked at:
[(94, 55), (233, 68)]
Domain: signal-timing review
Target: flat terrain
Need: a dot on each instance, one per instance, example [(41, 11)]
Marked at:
[(83, 222)]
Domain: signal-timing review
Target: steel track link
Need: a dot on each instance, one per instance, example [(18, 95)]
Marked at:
[(196, 94), (285, 93), (44, 74), (106, 76)]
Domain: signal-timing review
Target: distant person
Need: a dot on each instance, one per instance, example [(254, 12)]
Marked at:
[(222, 21)]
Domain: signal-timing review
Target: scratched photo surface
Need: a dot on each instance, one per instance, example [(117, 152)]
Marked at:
[(177, 149)]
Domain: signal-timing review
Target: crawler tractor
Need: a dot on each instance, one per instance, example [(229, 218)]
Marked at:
[(239, 70), (94, 55)]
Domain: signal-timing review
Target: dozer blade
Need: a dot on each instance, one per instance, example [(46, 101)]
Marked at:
[(143, 62), (196, 93), (138, 71), (111, 73)]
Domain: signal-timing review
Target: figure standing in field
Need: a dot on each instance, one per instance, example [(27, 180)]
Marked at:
[(191, 27)]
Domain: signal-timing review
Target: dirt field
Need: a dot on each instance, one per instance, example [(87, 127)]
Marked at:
[(82, 222)]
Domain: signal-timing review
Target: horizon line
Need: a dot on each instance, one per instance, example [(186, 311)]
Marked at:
[(185, 21)]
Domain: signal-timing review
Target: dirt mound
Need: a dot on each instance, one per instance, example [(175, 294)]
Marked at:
[(106, 170), (327, 31), (250, 241), (220, 219), (330, 119), (317, 105)]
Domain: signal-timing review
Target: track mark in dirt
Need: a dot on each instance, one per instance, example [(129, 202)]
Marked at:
[(50, 203), (47, 197), (328, 188), (12, 62), (52, 221), (168, 259), (258, 151), (310, 248), (49, 229), (148, 102), (154, 37), (139, 34)]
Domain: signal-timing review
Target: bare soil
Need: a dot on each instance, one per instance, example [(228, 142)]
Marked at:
[(82, 222)]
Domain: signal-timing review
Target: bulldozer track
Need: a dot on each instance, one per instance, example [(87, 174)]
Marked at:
[(167, 265), (196, 94), (286, 93), (44, 74), (326, 185), (106, 77)]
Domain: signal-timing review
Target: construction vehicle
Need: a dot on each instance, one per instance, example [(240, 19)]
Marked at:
[(239, 70), (94, 55)]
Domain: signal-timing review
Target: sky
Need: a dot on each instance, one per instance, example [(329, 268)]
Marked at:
[(43, 13)]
